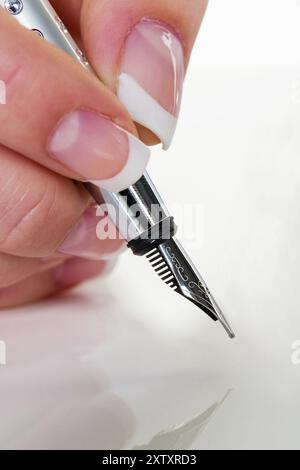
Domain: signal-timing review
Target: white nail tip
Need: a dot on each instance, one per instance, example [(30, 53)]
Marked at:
[(146, 110), (137, 162)]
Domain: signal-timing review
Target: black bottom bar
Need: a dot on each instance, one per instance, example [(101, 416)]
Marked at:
[(126, 459)]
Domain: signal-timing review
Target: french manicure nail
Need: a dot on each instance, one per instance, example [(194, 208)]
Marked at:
[(83, 241), (151, 77), (98, 150)]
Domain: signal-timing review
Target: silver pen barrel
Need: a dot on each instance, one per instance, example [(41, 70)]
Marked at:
[(40, 17)]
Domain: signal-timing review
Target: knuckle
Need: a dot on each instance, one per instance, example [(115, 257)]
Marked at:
[(25, 222)]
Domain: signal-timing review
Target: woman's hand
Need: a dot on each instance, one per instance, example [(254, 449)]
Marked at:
[(60, 124)]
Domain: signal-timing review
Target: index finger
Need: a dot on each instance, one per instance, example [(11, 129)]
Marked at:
[(62, 117)]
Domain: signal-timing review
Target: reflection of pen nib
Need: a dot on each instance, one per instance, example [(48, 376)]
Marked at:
[(175, 268), (181, 437)]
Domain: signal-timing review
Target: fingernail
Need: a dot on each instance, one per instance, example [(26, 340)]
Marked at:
[(98, 150), (151, 77), (84, 242), (76, 271)]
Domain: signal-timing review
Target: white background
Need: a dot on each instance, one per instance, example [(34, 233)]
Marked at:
[(126, 362)]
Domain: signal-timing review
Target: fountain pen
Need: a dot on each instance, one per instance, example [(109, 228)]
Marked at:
[(140, 214)]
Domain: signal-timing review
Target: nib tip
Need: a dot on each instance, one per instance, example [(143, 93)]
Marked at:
[(220, 316), (226, 326), (231, 335)]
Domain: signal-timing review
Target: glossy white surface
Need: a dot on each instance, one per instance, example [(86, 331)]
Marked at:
[(127, 363)]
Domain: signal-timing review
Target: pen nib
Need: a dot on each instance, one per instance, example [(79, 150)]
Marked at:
[(175, 268)]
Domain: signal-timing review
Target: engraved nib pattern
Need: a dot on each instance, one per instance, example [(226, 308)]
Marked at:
[(173, 266)]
